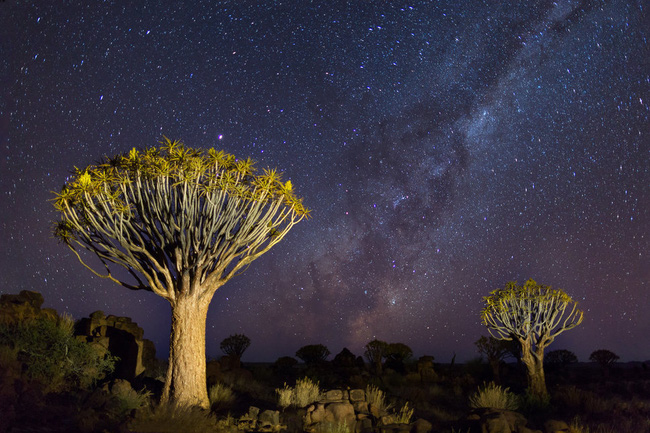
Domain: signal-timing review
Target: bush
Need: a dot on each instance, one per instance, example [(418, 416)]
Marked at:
[(305, 393), (52, 355), (494, 397), (221, 395), (404, 415), (173, 419), (128, 399), (376, 398)]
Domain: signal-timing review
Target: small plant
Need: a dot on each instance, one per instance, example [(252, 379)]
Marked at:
[(494, 397), (173, 419), (285, 396), (333, 427), (404, 415), (306, 392), (128, 399), (375, 397), (220, 394)]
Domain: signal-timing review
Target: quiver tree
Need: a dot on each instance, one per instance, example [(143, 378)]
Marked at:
[(603, 357), (375, 352), (234, 346), (533, 314), (313, 353), (181, 222), (495, 351)]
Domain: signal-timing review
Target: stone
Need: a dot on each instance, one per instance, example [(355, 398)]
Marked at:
[(24, 306), (555, 426), (421, 426), (268, 420), (340, 413), (334, 395), (357, 395), (123, 338), (361, 407)]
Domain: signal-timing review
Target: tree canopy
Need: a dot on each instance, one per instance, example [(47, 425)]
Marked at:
[(174, 211)]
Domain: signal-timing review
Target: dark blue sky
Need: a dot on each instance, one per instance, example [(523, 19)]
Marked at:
[(444, 147)]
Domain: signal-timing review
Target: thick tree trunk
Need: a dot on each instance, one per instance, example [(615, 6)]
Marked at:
[(185, 384), (535, 366)]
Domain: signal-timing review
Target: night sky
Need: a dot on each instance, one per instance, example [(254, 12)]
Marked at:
[(445, 147)]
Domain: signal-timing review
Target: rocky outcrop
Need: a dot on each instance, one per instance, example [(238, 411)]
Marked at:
[(24, 306), (123, 338), (351, 408)]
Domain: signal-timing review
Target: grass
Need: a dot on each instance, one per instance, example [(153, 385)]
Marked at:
[(375, 397), (493, 396), (404, 415), (172, 419), (305, 393), (221, 395)]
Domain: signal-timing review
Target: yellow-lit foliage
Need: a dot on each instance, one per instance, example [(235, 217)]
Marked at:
[(529, 312), (161, 211)]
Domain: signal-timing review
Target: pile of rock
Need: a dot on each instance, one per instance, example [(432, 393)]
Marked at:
[(123, 338), (351, 408), (24, 306)]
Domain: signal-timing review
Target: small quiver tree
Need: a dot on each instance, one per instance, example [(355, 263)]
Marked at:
[(375, 352), (495, 351), (313, 353), (533, 314), (234, 346), (181, 222)]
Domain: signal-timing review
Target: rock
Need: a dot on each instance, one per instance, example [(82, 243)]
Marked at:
[(24, 306), (425, 369), (421, 426), (495, 422), (357, 395), (123, 338), (334, 395), (555, 426)]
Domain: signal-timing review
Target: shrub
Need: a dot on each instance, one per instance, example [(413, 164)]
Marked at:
[(221, 395), (51, 353), (404, 415), (494, 397), (285, 396), (173, 419), (305, 393), (376, 398), (128, 399), (332, 427)]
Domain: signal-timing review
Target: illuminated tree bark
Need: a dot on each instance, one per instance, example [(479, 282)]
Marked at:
[(534, 315), (181, 222)]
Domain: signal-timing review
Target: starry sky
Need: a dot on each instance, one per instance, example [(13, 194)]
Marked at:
[(445, 147)]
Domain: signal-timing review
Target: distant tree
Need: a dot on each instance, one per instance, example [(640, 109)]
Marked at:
[(313, 353), (603, 357), (534, 315), (375, 353), (495, 351), (178, 222), (396, 355), (560, 358), (235, 345)]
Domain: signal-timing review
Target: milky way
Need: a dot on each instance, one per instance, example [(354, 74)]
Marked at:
[(444, 147)]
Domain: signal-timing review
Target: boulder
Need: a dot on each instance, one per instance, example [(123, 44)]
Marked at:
[(555, 426), (421, 426), (123, 338)]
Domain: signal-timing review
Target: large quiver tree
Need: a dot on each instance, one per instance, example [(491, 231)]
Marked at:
[(181, 222), (533, 314)]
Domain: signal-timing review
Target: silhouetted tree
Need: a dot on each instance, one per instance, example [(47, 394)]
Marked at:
[(534, 314), (495, 352), (603, 357), (313, 353), (375, 354), (235, 345), (396, 355), (560, 358), (181, 222)]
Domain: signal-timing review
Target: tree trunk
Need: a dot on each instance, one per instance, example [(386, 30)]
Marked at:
[(535, 366), (185, 383)]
